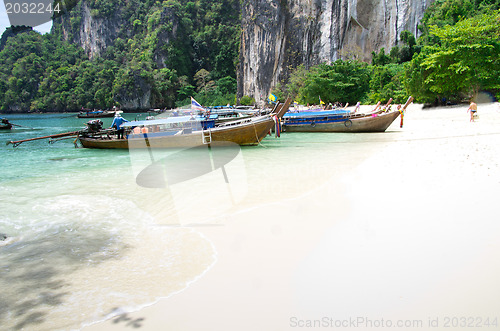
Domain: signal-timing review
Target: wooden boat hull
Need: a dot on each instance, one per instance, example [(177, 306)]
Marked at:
[(368, 123), (244, 132), (249, 133), (5, 126)]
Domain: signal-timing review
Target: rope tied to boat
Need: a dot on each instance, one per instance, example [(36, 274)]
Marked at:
[(402, 109), (402, 113), (256, 135)]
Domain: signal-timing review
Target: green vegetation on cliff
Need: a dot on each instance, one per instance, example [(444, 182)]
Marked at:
[(155, 54), (458, 61), (159, 53), (39, 72), (456, 56)]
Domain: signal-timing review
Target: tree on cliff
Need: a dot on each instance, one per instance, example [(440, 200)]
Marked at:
[(342, 81), (462, 61), (157, 47), (154, 50)]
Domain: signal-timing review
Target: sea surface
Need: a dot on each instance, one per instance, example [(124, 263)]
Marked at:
[(97, 233)]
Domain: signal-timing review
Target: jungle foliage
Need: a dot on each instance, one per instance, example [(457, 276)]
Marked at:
[(203, 41), (175, 49), (456, 56), (462, 60)]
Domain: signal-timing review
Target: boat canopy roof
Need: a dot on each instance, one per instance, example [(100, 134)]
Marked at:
[(167, 120), (317, 113)]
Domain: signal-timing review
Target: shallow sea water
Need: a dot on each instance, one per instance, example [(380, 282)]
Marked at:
[(88, 238)]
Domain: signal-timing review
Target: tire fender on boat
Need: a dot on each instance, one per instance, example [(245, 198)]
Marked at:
[(313, 124), (348, 123)]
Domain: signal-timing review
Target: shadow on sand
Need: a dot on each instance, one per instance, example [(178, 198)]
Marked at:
[(35, 275)]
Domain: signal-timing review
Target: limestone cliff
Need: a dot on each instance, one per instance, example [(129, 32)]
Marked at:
[(97, 30), (93, 33), (279, 35)]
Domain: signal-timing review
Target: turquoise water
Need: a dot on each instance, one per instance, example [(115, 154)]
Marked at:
[(87, 242)]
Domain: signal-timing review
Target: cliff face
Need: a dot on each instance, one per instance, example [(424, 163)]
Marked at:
[(93, 34), (279, 35), (96, 32)]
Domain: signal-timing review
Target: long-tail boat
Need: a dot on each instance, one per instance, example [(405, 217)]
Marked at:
[(96, 114), (342, 120), (176, 132), (187, 131), (5, 126)]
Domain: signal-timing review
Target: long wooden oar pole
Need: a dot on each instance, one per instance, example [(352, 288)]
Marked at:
[(59, 135), (21, 126)]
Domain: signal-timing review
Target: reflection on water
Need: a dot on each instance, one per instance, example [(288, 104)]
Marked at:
[(76, 257)]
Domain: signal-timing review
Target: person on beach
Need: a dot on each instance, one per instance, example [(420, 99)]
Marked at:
[(473, 109), (117, 124)]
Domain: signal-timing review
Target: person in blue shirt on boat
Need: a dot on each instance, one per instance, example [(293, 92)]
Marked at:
[(117, 124)]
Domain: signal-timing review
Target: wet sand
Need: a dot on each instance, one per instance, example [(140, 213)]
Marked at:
[(406, 238)]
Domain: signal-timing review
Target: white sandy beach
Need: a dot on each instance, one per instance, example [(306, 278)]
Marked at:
[(405, 239)]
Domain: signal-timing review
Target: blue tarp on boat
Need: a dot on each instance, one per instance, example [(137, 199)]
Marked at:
[(318, 113), (168, 120)]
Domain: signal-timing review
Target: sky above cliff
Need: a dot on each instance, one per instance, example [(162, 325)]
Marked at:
[(4, 22)]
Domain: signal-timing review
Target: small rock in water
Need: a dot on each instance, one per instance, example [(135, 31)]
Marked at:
[(3, 236)]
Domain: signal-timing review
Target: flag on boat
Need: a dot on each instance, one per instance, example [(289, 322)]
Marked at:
[(195, 105), (272, 98), (321, 102)]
